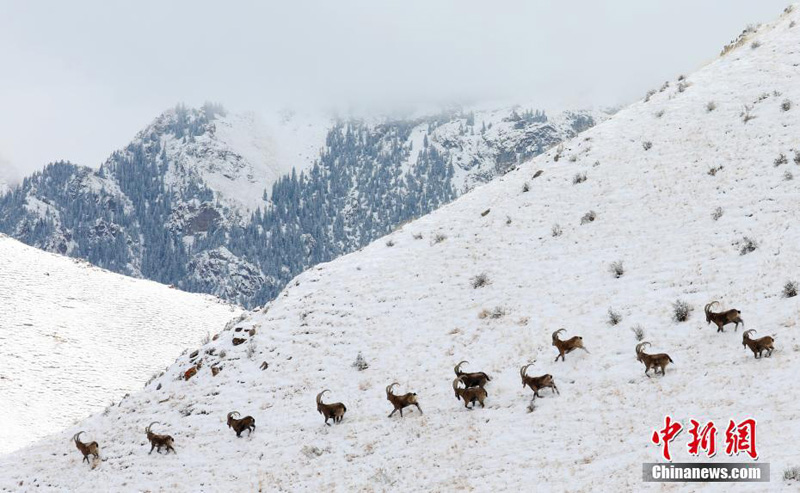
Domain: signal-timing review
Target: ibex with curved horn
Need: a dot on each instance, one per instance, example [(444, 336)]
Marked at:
[(401, 401), (537, 383), (721, 319), (239, 425), (471, 395), (333, 411), (477, 379), (87, 449), (568, 345), (158, 441), (655, 361), (759, 345)]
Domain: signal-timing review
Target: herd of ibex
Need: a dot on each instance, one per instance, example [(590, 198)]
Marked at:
[(469, 387)]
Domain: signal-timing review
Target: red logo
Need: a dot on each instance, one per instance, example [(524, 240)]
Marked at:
[(739, 437), (666, 435), (704, 439)]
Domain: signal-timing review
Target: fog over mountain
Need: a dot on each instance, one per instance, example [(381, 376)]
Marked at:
[(80, 78)]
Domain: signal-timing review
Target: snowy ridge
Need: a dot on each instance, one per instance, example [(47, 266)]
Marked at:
[(238, 156), (408, 304), (74, 337)]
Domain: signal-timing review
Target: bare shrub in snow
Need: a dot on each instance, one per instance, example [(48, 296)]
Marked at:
[(556, 231), (659, 113), (439, 237), (712, 171), (206, 338), (222, 354), (790, 289), (791, 473), (792, 24), (617, 268), (559, 151), (755, 44), (578, 178), (647, 145), (390, 243), (781, 159), (360, 363), (796, 157), (747, 245), (588, 217), (573, 158), (711, 106), (638, 332), (664, 86), (681, 310), (786, 105), (480, 281), (788, 176), (682, 85), (508, 220), (746, 113), (526, 187), (717, 213), (649, 94), (614, 317), (497, 312), (251, 349), (417, 236)]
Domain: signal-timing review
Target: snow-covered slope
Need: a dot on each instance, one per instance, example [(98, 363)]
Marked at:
[(74, 337), (408, 304), (238, 155)]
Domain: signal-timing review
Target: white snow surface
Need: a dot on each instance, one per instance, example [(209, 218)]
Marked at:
[(412, 311), (74, 337)]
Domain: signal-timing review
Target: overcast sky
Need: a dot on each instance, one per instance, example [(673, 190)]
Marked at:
[(78, 79)]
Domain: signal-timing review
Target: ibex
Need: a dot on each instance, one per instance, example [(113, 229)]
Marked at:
[(330, 411), (87, 449), (401, 401), (567, 346), (654, 361), (721, 319), (239, 425), (477, 379), (158, 441), (537, 383), (469, 394), (759, 345), (193, 370)]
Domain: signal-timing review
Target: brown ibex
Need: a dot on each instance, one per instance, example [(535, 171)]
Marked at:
[(401, 401), (158, 441), (721, 319), (239, 425), (333, 411), (654, 361), (537, 383), (567, 346), (469, 394), (759, 345), (87, 449), (193, 370), (477, 379)]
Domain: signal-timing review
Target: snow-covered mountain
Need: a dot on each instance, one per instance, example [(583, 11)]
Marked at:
[(200, 185), (74, 338), (692, 189)]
